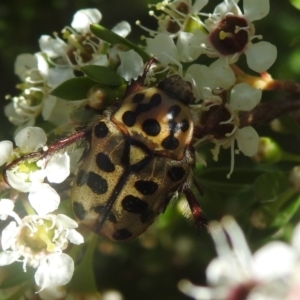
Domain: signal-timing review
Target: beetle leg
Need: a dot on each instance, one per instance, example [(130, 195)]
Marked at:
[(199, 218)]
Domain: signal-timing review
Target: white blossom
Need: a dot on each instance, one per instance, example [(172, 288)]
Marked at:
[(231, 33), (175, 16), (242, 98), (38, 241), (267, 274), (29, 174)]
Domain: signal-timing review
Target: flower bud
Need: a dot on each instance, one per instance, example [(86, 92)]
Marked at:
[(268, 152)]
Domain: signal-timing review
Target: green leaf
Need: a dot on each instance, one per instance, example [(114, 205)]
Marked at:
[(269, 186), (74, 89), (14, 275), (103, 75), (113, 38), (241, 179), (295, 3)]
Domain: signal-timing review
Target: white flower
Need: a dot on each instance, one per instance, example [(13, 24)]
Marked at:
[(176, 16), (38, 241), (78, 47), (28, 174), (206, 78), (267, 274), (231, 34), (21, 176), (219, 121), (33, 71)]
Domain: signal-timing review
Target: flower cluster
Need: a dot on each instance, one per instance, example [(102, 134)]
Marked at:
[(272, 272), (38, 241), (185, 33), (58, 60), (226, 33)]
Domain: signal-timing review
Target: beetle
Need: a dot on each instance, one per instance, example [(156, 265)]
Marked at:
[(138, 157)]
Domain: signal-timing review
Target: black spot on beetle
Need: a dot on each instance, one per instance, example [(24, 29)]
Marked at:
[(134, 205), (147, 216), (174, 111), (146, 187), (101, 130), (151, 127), (112, 218), (121, 234), (137, 98), (79, 210), (129, 118), (155, 99), (176, 173), (99, 209), (97, 183), (184, 125), (104, 163), (170, 142)]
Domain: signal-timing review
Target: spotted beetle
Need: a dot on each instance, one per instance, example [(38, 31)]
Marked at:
[(138, 156)]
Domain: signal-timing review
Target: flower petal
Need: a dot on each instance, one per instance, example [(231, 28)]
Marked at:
[(6, 207), (8, 235), (261, 56), (198, 5), (8, 257), (163, 48), (52, 47), (247, 140), (84, 17), (55, 270), (24, 63), (123, 28), (131, 65), (202, 77), (66, 221), (274, 260), (58, 168), (30, 139), (6, 148), (58, 75), (43, 198), (18, 180), (244, 97), (75, 237), (256, 9), (189, 45), (225, 7), (223, 74)]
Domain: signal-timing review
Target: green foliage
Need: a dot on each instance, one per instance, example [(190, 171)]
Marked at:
[(74, 89), (103, 75)]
